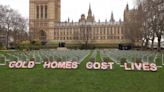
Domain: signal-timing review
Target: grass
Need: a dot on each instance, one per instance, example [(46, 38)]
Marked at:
[(80, 80), (98, 56), (159, 59)]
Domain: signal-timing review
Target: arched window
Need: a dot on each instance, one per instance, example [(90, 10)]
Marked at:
[(43, 36), (41, 11), (37, 9), (46, 11)]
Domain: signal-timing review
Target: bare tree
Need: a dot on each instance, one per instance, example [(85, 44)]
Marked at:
[(85, 30), (12, 21), (160, 23), (19, 28), (7, 21), (153, 20), (148, 22)]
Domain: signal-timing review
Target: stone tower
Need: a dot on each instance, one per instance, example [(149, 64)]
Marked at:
[(90, 17), (112, 20), (42, 18), (126, 12)]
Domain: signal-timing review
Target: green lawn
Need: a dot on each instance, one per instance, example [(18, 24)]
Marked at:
[(80, 80)]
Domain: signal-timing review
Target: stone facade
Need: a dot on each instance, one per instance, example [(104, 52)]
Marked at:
[(93, 32), (45, 25), (43, 15)]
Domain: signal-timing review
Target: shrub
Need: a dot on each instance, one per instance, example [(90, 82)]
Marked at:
[(29, 45), (35, 44), (1, 46), (23, 45), (123, 60)]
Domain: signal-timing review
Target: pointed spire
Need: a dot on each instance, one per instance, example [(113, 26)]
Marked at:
[(99, 20), (90, 18), (89, 5), (140, 7), (106, 20), (120, 20), (112, 17), (89, 11), (127, 7), (68, 19)]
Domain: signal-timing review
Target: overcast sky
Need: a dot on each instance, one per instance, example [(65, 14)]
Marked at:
[(74, 8)]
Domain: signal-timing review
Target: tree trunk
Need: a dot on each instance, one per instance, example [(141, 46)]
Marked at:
[(152, 44), (7, 38), (146, 43), (15, 37), (159, 44), (142, 45)]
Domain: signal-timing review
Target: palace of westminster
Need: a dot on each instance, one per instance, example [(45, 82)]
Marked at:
[(45, 25)]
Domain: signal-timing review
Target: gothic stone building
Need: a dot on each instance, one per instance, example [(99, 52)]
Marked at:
[(45, 25), (43, 16)]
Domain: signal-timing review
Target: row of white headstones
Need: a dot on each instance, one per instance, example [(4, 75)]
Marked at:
[(80, 55)]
